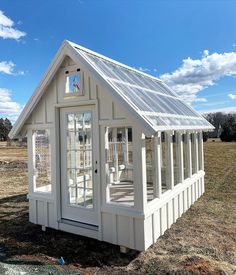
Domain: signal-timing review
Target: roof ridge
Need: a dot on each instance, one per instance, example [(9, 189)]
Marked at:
[(115, 62)]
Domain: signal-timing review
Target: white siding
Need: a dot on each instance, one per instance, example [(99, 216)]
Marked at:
[(136, 229)]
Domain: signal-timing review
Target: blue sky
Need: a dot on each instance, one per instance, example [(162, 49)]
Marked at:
[(191, 45)]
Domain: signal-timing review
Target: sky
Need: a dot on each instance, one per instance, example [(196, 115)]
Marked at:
[(190, 45)]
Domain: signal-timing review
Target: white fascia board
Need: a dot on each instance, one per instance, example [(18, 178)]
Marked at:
[(183, 128), (36, 96)]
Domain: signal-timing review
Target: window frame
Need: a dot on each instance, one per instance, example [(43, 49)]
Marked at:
[(31, 161), (108, 200), (73, 72)]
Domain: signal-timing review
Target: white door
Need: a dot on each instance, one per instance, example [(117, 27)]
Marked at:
[(78, 165)]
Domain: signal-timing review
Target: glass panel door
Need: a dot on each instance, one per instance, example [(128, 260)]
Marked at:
[(79, 159), (78, 200)]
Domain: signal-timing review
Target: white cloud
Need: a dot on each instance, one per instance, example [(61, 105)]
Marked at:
[(8, 107), (5, 21), (143, 69), (7, 29), (194, 75), (200, 99), (227, 110), (232, 96), (7, 67)]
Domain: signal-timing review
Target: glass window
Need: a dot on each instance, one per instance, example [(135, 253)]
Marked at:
[(119, 164), (163, 162), (200, 157), (42, 161), (175, 161), (185, 156), (79, 159), (149, 167), (74, 84), (193, 152)]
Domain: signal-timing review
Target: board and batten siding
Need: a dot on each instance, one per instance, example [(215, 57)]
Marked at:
[(135, 227), (44, 209)]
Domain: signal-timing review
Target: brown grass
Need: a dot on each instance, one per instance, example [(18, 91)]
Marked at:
[(202, 241)]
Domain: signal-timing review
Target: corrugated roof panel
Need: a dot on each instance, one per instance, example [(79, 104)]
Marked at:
[(147, 94)]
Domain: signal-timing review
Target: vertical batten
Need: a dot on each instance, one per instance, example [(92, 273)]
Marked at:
[(170, 162), (180, 157), (140, 178), (201, 155), (157, 188), (189, 155), (195, 146)]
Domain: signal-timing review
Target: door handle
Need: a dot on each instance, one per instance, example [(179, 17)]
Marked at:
[(95, 171)]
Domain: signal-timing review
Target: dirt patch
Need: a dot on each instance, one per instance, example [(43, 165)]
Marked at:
[(15, 164), (202, 241), (197, 265)]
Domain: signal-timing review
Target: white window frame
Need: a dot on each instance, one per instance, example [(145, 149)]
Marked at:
[(31, 162), (75, 70)]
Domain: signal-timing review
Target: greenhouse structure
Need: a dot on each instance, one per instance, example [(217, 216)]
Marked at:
[(113, 153)]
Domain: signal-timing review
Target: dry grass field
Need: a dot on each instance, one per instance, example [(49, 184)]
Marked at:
[(202, 241)]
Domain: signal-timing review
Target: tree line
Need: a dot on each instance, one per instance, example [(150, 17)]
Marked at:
[(5, 128), (225, 126)]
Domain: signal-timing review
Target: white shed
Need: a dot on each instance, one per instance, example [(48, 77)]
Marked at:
[(113, 153)]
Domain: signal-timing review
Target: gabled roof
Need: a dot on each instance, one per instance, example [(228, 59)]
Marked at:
[(154, 105)]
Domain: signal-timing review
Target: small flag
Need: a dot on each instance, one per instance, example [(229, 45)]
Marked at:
[(75, 85)]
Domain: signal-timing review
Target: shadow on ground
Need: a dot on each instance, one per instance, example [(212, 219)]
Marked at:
[(202, 241), (20, 237)]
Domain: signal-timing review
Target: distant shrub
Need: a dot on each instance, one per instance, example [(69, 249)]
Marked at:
[(205, 136), (227, 136), (229, 129)]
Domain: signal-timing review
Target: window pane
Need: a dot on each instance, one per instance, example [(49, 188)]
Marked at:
[(73, 84), (42, 160), (149, 168), (175, 161), (193, 153), (119, 164), (79, 159), (163, 162), (185, 152), (199, 140)]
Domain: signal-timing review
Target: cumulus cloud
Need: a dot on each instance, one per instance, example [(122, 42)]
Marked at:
[(232, 96), (8, 67), (8, 107), (194, 75), (7, 29)]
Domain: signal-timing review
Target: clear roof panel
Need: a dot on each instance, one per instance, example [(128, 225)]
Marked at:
[(150, 97), (119, 73)]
